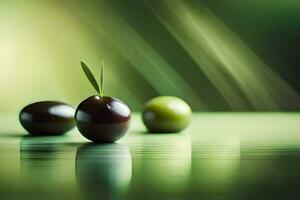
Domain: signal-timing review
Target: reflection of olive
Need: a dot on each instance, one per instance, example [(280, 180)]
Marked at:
[(166, 114), (47, 118), (168, 170), (45, 163), (103, 171)]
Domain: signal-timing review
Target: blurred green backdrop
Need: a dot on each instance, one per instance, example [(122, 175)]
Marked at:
[(227, 55)]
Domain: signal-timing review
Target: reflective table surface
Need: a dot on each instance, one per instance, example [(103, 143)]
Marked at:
[(220, 156)]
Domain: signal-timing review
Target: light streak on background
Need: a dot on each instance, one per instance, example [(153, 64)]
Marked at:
[(150, 48), (217, 50), (164, 79)]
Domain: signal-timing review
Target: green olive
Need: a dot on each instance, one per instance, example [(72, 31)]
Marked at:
[(166, 114)]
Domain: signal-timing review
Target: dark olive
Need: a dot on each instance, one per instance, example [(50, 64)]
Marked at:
[(47, 118), (102, 119)]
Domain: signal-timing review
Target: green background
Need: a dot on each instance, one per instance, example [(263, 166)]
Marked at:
[(217, 55)]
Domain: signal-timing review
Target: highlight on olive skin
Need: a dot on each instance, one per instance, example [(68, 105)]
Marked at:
[(100, 118), (166, 114), (47, 118)]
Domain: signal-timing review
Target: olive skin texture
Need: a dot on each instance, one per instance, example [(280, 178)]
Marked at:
[(166, 114), (102, 119), (47, 118)]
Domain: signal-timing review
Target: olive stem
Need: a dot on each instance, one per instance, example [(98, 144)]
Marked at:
[(101, 78)]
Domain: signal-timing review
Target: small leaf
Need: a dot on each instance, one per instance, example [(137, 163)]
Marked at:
[(101, 78), (90, 76)]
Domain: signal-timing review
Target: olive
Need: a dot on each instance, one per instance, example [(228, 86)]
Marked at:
[(47, 118), (166, 114), (102, 119)]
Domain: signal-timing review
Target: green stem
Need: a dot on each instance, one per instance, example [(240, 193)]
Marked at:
[(101, 78)]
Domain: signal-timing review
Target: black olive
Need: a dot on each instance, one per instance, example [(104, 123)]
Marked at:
[(47, 118), (102, 119)]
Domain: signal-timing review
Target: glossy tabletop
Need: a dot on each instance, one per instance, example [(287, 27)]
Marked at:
[(220, 156)]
